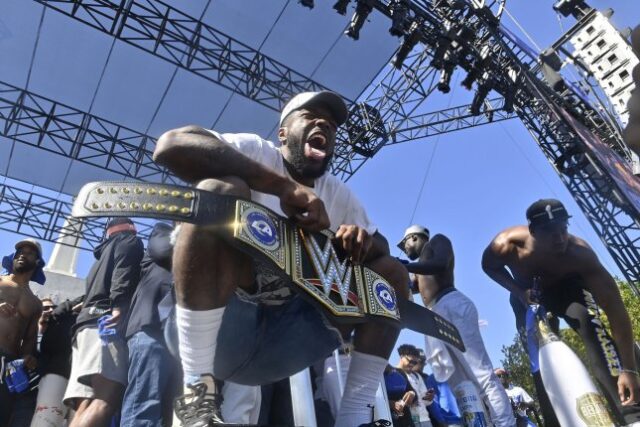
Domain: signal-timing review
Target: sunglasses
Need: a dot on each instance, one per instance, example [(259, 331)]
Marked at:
[(48, 307), (411, 361)]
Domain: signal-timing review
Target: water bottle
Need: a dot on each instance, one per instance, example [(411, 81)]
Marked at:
[(16, 378), (470, 405)]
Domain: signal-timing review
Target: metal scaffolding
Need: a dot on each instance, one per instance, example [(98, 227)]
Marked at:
[(57, 128), (448, 120), (34, 213), (189, 43), (383, 115)]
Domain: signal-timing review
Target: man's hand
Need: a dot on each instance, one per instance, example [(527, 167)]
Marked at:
[(355, 241), (525, 297), (76, 308), (628, 388), (304, 207), (30, 362), (7, 310), (116, 314), (429, 396), (398, 407)]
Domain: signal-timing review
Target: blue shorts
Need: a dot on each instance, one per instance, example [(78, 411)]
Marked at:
[(261, 344)]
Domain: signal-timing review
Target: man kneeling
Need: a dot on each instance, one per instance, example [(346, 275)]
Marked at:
[(237, 320)]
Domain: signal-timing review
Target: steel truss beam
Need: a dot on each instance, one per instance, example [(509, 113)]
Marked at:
[(390, 105), (37, 215), (57, 128), (449, 120), (180, 39), (393, 99), (46, 124)]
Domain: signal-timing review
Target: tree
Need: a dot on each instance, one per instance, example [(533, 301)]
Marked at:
[(516, 362)]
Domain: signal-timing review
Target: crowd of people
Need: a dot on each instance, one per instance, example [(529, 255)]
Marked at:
[(195, 332)]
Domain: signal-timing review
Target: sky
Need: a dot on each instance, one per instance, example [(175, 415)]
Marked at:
[(468, 185)]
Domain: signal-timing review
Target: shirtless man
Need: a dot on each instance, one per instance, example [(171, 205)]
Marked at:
[(433, 272), (19, 313), (573, 284)]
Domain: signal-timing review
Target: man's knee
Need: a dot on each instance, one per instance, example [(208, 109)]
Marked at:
[(394, 272), (107, 393), (229, 185)]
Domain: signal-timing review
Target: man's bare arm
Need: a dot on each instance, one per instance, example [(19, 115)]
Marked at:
[(607, 295), (494, 261), (194, 154), (439, 262), (360, 245), (30, 339)]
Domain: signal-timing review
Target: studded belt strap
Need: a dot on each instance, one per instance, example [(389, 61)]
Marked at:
[(309, 261)]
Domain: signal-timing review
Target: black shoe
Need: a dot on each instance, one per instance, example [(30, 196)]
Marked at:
[(199, 408), (379, 423)]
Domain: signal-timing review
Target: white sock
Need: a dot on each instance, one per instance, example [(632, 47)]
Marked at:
[(197, 335), (363, 379)]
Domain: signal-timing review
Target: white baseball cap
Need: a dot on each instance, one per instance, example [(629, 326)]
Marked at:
[(414, 229), (331, 100)]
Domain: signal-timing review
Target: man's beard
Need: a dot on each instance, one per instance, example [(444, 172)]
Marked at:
[(413, 254), (24, 268), (301, 166)]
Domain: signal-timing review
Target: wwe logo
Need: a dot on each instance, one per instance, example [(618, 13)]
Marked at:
[(329, 268)]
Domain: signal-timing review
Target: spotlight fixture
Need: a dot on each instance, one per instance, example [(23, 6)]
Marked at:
[(577, 8), (551, 64), (510, 95), (445, 77), (470, 78), (341, 6), (444, 44), (307, 3), (477, 67), (480, 97), (399, 12), (363, 9), (410, 41)]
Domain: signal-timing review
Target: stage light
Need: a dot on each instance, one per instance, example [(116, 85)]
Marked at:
[(577, 8), (341, 6), (477, 67), (550, 67), (363, 9), (479, 98), (445, 77), (510, 95), (307, 3), (449, 4), (509, 99), (399, 12), (410, 41)]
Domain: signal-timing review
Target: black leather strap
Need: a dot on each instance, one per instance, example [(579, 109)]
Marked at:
[(183, 204)]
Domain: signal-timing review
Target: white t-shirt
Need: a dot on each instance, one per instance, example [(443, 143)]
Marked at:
[(518, 395), (341, 205), (419, 407)]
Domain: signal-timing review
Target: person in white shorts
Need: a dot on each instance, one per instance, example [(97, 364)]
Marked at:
[(433, 273), (99, 363)]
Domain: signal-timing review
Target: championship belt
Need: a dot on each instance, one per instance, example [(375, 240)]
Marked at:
[(317, 269)]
